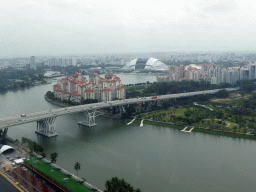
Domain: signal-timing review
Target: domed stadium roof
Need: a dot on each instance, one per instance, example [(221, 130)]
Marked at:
[(146, 64), (4, 148)]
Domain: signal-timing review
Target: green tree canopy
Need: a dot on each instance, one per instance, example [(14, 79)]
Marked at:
[(119, 185), (53, 157)]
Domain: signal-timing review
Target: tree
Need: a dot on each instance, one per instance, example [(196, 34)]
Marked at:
[(17, 142), (53, 157), (77, 167), (119, 185), (187, 114), (43, 155), (222, 93)]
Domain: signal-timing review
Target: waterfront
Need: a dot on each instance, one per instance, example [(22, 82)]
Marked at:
[(152, 158)]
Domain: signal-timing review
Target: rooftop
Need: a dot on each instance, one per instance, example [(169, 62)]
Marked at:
[(56, 175)]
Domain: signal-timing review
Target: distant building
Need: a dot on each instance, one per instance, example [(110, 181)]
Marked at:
[(33, 62), (151, 64), (73, 60), (210, 73)]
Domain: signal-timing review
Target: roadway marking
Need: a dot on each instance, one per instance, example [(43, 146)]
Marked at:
[(11, 182)]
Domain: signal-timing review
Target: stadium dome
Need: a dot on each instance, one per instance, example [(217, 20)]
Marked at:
[(4, 148), (152, 64)]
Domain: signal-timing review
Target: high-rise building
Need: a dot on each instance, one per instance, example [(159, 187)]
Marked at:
[(33, 62), (73, 60), (252, 71)]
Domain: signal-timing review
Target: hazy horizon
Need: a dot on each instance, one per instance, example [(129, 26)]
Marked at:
[(74, 27)]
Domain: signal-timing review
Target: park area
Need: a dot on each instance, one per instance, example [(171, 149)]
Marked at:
[(234, 114)]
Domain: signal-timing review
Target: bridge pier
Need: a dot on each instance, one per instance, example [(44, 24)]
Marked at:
[(121, 110), (46, 127), (89, 119)]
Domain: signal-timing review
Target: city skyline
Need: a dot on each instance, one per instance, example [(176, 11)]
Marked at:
[(76, 27)]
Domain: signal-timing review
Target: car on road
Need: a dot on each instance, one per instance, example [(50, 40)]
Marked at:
[(8, 157), (65, 108), (11, 159), (17, 156), (23, 115)]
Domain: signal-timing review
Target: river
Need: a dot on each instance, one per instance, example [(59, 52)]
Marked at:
[(152, 158)]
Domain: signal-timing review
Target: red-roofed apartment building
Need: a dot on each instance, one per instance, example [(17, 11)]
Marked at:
[(77, 88)]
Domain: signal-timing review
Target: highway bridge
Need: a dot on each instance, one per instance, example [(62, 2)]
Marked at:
[(45, 119)]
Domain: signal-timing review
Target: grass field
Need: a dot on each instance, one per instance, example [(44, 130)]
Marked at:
[(57, 176), (180, 112)]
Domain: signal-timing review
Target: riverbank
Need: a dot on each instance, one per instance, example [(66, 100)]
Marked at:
[(56, 102), (197, 129)]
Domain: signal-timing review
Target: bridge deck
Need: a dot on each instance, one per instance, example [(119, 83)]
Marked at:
[(37, 116)]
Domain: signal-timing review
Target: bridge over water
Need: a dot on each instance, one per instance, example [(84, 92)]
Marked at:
[(45, 119)]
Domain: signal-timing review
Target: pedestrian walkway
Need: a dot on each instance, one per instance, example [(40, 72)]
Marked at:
[(130, 122), (141, 123)]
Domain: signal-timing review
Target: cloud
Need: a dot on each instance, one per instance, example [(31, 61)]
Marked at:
[(220, 8)]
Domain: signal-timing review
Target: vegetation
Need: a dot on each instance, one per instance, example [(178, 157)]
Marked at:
[(51, 96), (53, 157), (12, 79), (17, 142), (77, 167), (163, 88), (119, 185), (43, 155), (223, 116), (3, 134), (57, 176), (31, 145)]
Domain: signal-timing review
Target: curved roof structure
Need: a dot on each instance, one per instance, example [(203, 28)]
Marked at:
[(4, 148), (146, 64)]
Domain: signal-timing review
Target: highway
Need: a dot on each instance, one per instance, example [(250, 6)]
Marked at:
[(37, 116)]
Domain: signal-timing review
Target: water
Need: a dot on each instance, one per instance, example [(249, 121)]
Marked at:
[(152, 158)]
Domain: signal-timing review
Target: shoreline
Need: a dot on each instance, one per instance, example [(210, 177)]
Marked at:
[(56, 103), (177, 126), (196, 129)]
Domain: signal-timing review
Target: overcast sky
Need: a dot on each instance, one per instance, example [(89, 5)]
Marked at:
[(43, 27)]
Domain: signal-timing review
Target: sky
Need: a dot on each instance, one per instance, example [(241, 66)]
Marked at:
[(58, 27)]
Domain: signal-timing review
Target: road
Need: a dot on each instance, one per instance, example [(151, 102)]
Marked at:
[(37, 116), (6, 186)]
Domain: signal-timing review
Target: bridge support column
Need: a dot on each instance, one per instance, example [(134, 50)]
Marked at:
[(46, 127), (121, 110), (89, 119)]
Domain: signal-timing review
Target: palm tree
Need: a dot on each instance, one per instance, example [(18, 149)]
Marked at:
[(77, 167), (53, 157)]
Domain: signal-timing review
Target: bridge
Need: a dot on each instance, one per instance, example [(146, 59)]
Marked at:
[(45, 119)]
